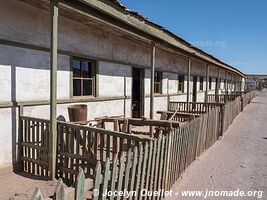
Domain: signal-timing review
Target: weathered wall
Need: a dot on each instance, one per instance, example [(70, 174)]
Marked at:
[(7, 135), (114, 79)]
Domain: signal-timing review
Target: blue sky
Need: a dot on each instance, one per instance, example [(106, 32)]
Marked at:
[(235, 31)]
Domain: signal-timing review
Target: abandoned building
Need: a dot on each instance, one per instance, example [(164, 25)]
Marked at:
[(106, 55)]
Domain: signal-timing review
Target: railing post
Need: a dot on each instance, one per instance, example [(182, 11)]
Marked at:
[(188, 83), (207, 82)]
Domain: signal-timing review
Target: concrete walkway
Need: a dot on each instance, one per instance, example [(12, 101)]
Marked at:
[(238, 161)]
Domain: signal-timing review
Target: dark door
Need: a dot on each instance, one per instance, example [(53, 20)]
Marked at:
[(195, 89), (137, 93)]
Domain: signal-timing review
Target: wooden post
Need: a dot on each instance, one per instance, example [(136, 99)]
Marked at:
[(235, 81), (222, 109), (226, 82), (188, 83), (125, 96), (153, 51), (207, 82), (53, 89), (217, 86)]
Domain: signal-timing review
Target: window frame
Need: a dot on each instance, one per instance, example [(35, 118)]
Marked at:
[(81, 78), (158, 82)]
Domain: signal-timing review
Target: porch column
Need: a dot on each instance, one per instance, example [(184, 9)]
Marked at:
[(231, 83), (188, 82), (207, 82), (235, 84), (53, 89), (226, 82), (152, 72), (217, 86)]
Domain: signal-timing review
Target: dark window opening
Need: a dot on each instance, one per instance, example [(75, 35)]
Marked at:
[(210, 83), (83, 77), (201, 80), (181, 84), (157, 82)]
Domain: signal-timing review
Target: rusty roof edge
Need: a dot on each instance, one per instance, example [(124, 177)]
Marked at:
[(120, 12)]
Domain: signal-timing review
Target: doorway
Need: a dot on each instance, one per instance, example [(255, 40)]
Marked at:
[(138, 93), (194, 89)]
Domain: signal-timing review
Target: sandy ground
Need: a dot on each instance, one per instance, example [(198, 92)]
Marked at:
[(21, 187), (238, 161)]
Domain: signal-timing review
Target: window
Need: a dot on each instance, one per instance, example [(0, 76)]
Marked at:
[(201, 80), (157, 82), (181, 84), (83, 77), (210, 83)]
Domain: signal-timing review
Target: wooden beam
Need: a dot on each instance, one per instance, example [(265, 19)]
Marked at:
[(188, 82), (53, 89)]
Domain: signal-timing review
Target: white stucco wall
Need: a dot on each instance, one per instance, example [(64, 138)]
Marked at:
[(6, 132), (112, 79)]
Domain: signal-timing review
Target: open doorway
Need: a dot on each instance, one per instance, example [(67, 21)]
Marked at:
[(138, 93)]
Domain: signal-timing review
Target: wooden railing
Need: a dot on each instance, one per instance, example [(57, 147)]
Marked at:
[(77, 146), (145, 167), (222, 98), (248, 97), (188, 142), (33, 146), (192, 107), (121, 161), (82, 146)]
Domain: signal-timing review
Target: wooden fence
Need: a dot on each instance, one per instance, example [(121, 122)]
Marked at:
[(143, 168), (231, 110), (132, 163), (60, 193), (77, 146), (33, 149), (193, 107), (83, 146), (248, 97), (188, 142), (159, 163), (222, 98)]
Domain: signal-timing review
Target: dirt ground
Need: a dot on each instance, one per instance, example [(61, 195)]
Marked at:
[(238, 161), (20, 187)]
